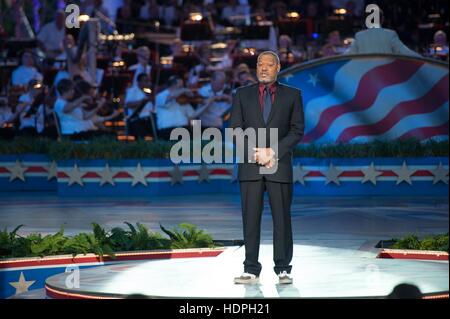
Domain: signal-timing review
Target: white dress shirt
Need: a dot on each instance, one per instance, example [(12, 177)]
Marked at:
[(170, 113), (23, 74), (135, 94), (212, 116), (72, 122)]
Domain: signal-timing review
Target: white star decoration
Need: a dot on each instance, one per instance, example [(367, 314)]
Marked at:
[(107, 176), (17, 171), (288, 77), (176, 175), (75, 176), (404, 174), (139, 176), (203, 174), (299, 174), (440, 174), (52, 171), (313, 79), (370, 174), (22, 285), (332, 175)]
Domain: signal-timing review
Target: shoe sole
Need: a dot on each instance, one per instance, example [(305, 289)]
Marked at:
[(246, 281), (285, 281)]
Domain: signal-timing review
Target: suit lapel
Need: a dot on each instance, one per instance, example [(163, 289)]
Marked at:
[(257, 107), (276, 102)]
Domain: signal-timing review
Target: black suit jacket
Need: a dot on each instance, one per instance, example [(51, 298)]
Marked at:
[(286, 115)]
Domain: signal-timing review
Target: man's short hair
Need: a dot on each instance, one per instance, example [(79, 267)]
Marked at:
[(64, 86), (218, 75), (173, 79), (277, 58)]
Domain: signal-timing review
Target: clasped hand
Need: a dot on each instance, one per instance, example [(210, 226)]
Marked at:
[(264, 156)]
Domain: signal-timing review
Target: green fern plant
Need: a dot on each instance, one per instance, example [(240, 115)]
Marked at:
[(188, 236)]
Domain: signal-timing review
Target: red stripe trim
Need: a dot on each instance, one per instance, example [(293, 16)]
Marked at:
[(412, 254), (424, 133), (50, 261)]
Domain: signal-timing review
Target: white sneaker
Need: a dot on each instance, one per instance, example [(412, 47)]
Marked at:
[(284, 278), (246, 278)]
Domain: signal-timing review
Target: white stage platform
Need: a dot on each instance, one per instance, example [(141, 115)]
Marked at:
[(319, 272)]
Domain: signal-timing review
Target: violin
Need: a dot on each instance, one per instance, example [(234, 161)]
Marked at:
[(193, 98)]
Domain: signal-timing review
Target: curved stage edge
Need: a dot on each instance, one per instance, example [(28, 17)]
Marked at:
[(319, 272)]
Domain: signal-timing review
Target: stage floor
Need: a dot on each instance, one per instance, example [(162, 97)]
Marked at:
[(318, 272)]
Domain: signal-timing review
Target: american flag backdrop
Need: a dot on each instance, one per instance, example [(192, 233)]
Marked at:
[(356, 99)]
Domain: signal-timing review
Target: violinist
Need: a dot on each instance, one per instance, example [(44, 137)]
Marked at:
[(94, 105), (173, 107), (138, 107), (218, 101), (31, 106)]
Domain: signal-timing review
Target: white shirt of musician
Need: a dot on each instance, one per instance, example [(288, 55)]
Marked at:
[(212, 116), (51, 36), (23, 74), (72, 122), (138, 69), (36, 120), (135, 94), (170, 113)]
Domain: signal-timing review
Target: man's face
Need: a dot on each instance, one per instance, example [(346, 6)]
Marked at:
[(267, 69), (27, 59), (143, 57), (217, 84), (60, 19), (143, 82)]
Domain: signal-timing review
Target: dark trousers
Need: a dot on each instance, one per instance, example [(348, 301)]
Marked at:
[(252, 200)]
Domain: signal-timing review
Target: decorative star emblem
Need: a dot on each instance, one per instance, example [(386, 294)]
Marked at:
[(440, 174), (52, 171), (288, 77), (332, 175), (107, 176), (299, 174), (75, 176), (203, 174), (17, 171), (370, 174), (404, 174), (313, 79), (22, 285), (176, 175), (139, 176)]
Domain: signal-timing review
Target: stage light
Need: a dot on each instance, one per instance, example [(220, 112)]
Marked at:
[(166, 60), (37, 86), (83, 18), (293, 15), (315, 35), (195, 16), (340, 11), (147, 90), (219, 46)]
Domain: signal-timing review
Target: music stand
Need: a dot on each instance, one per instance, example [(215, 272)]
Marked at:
[(255, 32), (196, 31)]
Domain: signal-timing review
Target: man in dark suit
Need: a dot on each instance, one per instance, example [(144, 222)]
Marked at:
[(268, 104)]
